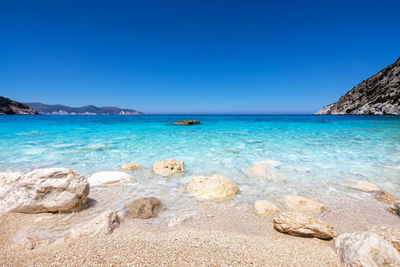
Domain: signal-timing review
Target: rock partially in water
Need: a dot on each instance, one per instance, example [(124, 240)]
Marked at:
[(264, 169), (389, 233), (168, 167), (395, 207), (103, 224), (144, 208), (215, 187), (43, 190), (187, 122), (299, 224), (131, 166), (108, 177), (365, 249), (303, 204), (385, 197), (364, 186), (265, 208)]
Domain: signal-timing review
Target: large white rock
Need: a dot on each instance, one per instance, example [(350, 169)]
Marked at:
[(104, 224), (303, 204), (365, 249), (215, 187), (299, 224), (168, 167), (265, 208), (43, 190), (389, 233), (108, 177)]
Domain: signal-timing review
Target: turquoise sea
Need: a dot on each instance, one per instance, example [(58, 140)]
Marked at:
[(316, 153)]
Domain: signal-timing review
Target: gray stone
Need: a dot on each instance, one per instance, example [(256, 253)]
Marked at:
[(144, 208)]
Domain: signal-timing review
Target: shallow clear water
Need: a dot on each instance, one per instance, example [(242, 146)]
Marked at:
[(316, 153)]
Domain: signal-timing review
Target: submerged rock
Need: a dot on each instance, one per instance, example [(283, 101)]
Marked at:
[(365, 249), (144, 208), (215, 187), (364, 186), (263, 169), (389, 233), (103, 224), (108, 177), (385, 197), (131, 166), (265, 208), (168, 167), (187, 122), (395, 207), (303, 204), (299, 224), (43, 190)]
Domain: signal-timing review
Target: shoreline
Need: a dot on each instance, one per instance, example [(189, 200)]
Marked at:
[(216, 234)]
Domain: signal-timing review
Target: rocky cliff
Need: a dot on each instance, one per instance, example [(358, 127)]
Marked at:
[(10, 107), (378, 95)]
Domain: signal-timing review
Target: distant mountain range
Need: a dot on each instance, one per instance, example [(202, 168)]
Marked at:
[(85, 110), (11, 107), (378, 95)]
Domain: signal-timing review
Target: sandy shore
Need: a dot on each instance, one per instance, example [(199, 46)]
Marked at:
[(139, 243), (217, 235)]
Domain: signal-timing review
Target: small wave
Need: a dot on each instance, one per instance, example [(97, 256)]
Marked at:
[(64, 145), (98, 147), (254, 141), (31, 133)]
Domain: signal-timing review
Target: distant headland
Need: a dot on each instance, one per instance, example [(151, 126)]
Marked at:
[(378, 95), (11, 107)]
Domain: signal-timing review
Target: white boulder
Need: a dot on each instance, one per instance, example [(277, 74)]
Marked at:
[(389, 233), (365, 249), (43, 190)]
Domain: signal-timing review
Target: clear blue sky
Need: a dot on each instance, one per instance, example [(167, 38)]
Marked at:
[(194, 56)]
